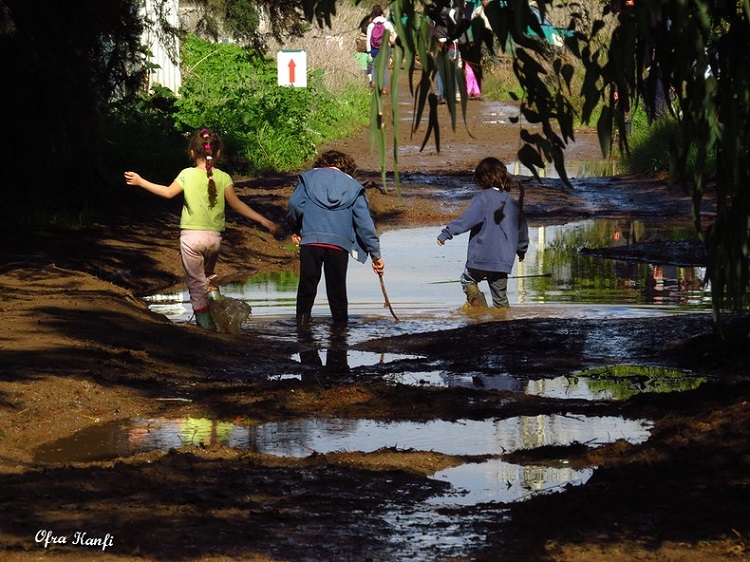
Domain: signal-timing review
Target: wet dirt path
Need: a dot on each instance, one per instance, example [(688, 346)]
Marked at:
[(82, 352)]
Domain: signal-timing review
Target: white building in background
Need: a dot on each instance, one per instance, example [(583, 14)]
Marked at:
[(163, 48)]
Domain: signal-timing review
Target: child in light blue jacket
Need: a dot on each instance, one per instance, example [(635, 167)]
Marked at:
[(330, 219), (499, 233)]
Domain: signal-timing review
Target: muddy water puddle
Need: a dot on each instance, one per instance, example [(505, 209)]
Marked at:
[(489, 481), (617, 382), (421, 279), (416, 528), (554, 281)]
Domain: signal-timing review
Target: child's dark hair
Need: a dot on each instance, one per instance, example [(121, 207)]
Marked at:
[(336, 159), (491, 172), (207, 144)]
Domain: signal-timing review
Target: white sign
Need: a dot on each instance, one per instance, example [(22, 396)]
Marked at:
[(292, 68)]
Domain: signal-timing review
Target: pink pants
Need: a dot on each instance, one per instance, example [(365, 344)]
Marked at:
[(472, 86), (199, 250)]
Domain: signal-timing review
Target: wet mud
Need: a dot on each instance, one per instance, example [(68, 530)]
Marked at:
[(82, 351)]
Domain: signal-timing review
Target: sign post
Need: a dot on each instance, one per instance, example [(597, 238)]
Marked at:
[(292, 68)]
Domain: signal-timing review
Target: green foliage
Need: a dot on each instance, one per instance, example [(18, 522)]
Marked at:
[(625, 381), (141, 134), (499, 82), (647, 145), (242, 19), (687, 58), (234, 91), (698, 62)]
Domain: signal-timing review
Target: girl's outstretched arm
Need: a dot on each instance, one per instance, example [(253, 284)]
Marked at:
[(231, 197), (131, 178)]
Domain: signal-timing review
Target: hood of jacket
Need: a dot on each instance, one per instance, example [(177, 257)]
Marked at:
[(330, 188)]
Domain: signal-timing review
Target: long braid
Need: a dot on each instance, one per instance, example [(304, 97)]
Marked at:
[(206, 145), (206, 136)]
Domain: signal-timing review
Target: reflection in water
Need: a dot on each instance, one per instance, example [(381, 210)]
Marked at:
[(310, 348), (498, 481), (304, 437), (617, 382), (422, 278), (325, 348)]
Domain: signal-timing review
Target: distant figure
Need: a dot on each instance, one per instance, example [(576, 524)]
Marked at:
[(330, 218), (472, 84), (363, 62), (498, 234), (376, 31), (482, 30), (441, 24), (206, 189)]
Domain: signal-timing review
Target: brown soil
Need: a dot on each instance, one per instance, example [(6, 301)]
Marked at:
[(80, 348)]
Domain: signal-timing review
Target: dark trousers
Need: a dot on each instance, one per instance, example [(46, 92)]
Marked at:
[(313, 261)]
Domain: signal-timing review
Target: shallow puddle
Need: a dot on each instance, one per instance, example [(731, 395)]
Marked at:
[(430, 525), (421, 279), (554, 281), (608, 383), (349, 358), (488, 481)]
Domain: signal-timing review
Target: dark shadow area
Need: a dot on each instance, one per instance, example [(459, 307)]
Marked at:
[(182, 506)]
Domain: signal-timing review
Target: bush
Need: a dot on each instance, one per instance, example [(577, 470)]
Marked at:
[(267, 128)]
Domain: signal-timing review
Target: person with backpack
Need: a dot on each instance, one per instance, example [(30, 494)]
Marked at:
[(376, 32)]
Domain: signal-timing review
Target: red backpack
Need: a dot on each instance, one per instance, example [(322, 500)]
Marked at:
[(376, 35)]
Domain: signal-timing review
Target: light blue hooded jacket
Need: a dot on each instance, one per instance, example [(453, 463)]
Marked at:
[(329, 207)]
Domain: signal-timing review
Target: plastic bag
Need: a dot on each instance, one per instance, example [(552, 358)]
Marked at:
[(229, 314)]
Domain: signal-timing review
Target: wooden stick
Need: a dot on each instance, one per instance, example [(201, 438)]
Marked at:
[(385, 296), (510, 277)]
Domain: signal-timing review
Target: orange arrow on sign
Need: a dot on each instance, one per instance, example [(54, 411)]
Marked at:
[(292, 66)]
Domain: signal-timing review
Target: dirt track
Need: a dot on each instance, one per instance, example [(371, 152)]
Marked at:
[(79, 349)]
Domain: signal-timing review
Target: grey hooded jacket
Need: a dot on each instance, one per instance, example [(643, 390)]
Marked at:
[(498, 231)]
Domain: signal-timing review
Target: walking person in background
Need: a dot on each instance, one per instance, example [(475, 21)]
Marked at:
[(362, 56), (330, 218), (472, 84), (499, 233), (482, 30), (441, 25), (206, 189), (376, 31)]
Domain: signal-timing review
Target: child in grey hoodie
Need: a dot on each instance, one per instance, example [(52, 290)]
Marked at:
[(499, 233)]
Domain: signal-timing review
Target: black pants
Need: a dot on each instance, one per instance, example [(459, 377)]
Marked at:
[(333, 263)]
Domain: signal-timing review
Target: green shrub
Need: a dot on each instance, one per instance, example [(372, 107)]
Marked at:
[(649, 146), (234, 91)]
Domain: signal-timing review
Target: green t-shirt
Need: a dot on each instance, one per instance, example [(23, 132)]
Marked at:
[(196, 212)]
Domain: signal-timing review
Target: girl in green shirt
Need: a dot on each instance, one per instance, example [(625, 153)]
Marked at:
[(206, 189)]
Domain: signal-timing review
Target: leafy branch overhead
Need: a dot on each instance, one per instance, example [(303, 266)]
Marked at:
[(684, 61)]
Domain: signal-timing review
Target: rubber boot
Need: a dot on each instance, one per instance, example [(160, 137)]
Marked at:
[(205, 321), (474, 297)]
